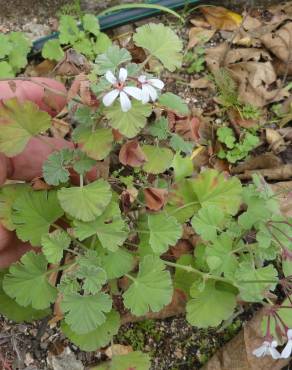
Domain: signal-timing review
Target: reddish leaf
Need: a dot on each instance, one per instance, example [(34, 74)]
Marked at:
[(155, 198), (188, 128), (131, 154)]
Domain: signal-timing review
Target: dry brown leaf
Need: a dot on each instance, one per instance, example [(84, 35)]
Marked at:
[(199, 35), (182, 247), (280, 173), (155, 198), (214, 56), (254, 81), (275, 140), (72, 64), (38, 184), (188, 128), (280, 42), (284, 192), (59, 128), (117, 349), (245, 55), (202, 83), (237, 354), (262, 161), (221, 18), (131, 154), (200, 22)]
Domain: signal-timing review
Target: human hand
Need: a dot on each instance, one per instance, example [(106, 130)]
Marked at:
[(23, 167)]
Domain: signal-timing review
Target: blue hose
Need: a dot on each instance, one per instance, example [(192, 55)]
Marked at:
[(122, 17)]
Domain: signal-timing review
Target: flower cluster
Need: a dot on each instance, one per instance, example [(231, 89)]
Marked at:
[(145, 91), (269, 348)]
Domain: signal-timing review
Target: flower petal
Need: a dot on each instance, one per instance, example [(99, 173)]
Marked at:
[(110, 77), (274, 353), (152, 92), (289, 333), (142, 79), (261, 351), (287, 350), (123, 74), (110, 97), (145, 94), (156, 83), (125, 102), (135, 92)]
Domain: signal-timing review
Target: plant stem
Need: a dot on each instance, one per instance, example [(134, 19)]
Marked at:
[(130, 277), (60, 268), (204, 275), (182, 207)]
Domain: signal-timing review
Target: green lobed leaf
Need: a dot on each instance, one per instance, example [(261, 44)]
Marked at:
[(164, 231), (55, 168), (52, 50), (151, 289), (20, 122), (8, 195), (69, 31), (96, 144), (210, 306), (6, 70), (161, 42), (134, 360), (183, 279), (111, 59), (178, 144), (158, 159), (97, 338), (5, 45), (182, 166), (131, 122), (110, 228), (160, 129), (208, 221), (53, 245), (255, 291), (174, 103), (117, 264), (91, 308), (34, 213), (13, 311), (87, 202), (102, 43), (27, 282), (94, 277), (90, 23)]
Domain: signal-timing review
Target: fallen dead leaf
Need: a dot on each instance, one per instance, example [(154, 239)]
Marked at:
[(72, 64), (275, 140), (280, 42), (284, 192), (188, 128), (117, 349), (237, 354), (59, 128), (221, 18), (245, 55), (182, 247), (65, 361), (131, 154), (280, 173), (262, 161), (200, 22), (202, 83), (199, 35), (155, 198)]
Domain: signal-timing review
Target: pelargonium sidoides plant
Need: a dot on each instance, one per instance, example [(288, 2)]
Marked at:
[(122, 224)]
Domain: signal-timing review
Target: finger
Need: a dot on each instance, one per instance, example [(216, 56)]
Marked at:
[(13, 253), (28, 164), (7, 238)]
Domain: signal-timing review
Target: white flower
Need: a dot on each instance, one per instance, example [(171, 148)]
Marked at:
[(288, 348), (267, 348), (121, 90), (148, 88)]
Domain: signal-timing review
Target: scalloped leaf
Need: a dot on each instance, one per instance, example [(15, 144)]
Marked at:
[(158, 159), (34, 213), (162, 43), (131, 122), (53, 245), (151, 289), (85, 203), (97, 338), (19, 122), (27, 282)]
